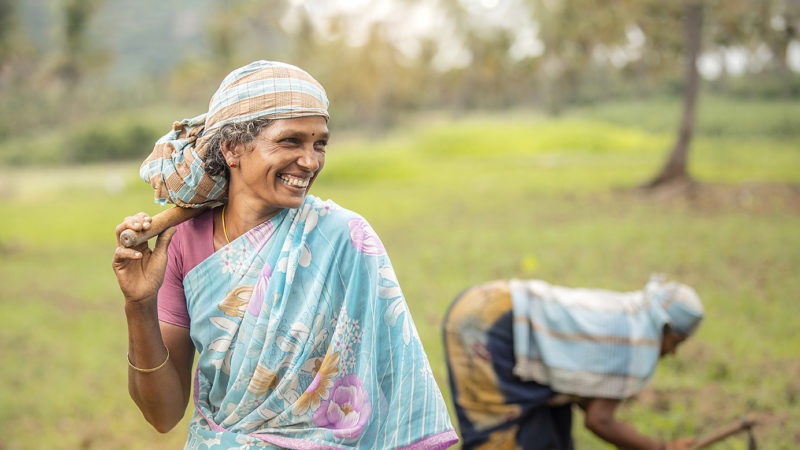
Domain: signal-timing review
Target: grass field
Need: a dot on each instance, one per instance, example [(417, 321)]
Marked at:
[(458, 202)]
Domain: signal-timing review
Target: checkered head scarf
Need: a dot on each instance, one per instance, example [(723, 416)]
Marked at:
[(261, 89)]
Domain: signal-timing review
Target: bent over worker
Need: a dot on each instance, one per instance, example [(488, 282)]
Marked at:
[(521, 353)]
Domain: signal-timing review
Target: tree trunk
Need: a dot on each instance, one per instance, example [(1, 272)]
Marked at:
[(675, 168)]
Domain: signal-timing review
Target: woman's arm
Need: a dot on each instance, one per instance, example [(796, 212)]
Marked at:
[(162, 394), (600, 420)]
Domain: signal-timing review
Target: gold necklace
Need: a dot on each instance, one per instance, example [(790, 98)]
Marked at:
[(224, 231)]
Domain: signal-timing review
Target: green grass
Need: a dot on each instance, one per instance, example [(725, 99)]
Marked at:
[(456, 203)]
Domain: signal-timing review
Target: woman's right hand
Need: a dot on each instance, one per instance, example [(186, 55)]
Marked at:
[(680, 444), (139, 270)]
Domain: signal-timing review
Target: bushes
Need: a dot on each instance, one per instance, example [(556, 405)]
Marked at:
[(120, 140), (124, 137)]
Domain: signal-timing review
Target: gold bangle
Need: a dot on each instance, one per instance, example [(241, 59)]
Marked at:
[(149, 370)]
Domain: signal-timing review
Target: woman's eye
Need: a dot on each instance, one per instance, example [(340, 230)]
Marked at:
[(321, 145)]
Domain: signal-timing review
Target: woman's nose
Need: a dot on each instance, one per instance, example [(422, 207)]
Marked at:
[(309, 159)]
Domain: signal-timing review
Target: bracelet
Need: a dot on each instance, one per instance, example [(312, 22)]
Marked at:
[(149, 370)]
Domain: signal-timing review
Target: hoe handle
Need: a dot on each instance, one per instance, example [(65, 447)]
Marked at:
[(161, 221), (724, 432)]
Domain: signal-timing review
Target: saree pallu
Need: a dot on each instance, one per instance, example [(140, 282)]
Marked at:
[(305, 341), (587, 342)]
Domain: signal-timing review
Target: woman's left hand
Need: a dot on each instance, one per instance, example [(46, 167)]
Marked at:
[(139, 270)]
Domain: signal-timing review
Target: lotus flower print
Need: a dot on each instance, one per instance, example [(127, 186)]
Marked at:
[(319, 388), (235, 303), (364, 238), (347, 410)]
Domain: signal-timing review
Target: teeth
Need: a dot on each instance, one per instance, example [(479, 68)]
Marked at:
[(293, 181)]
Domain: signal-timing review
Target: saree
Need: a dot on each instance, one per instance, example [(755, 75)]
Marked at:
[(495, 409), (596, 342), (305, 341)]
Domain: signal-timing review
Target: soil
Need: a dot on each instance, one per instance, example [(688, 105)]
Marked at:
[(750, 197)]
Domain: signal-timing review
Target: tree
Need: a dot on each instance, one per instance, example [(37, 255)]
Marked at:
[(675, 168), (571, 37), (79, 53), (8, 22)]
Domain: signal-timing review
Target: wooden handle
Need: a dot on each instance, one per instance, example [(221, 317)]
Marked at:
[(724, 432), (161, 221)]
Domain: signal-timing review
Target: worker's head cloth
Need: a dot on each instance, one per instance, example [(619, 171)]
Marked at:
[(266, 89), (679, 303)]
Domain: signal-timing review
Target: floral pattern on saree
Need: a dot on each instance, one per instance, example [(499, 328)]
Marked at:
[(305, 341)]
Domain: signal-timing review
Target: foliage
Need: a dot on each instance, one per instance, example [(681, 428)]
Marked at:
[(373, 73), (456, 203), (127, 136), (8, 25), (78, 53), (121, 142)]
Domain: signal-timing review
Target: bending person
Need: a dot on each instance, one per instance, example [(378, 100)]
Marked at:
[(303, 336), (520, 353)]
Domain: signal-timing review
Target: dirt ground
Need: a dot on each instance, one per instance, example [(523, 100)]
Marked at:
[(711, 401), (713, 404), (750, 197)]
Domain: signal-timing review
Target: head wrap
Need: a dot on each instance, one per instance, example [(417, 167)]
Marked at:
[(679, 303), (267, 89)]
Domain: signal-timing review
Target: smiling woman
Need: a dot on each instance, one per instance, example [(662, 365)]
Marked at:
[(277, 169), (302, 331)]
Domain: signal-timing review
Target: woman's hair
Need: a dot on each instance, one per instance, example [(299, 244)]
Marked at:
[(234, 134)]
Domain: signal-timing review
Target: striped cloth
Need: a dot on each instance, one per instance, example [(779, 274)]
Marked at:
[(594, 342), (269, 89)]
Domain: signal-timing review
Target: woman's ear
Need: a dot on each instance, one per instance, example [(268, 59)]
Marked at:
[(230, 153)]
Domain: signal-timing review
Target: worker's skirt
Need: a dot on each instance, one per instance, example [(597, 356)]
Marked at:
[(494, 407)]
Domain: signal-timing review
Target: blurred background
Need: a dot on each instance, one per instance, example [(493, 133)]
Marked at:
[(584, 142)]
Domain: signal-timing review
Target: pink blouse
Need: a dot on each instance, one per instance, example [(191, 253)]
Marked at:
[(192, 243)]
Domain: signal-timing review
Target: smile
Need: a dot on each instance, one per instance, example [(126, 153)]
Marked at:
[(292, 180)]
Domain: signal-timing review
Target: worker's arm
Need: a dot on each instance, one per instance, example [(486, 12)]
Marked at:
[(600, 420)]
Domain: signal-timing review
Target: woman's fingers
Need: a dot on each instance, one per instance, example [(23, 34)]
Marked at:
[(156, 261), (123, 255), (138, 222), (163, 241), (159, 253), (139, 270)]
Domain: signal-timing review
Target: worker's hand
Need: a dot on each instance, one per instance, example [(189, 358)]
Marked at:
[(680, 444), (139, 270)]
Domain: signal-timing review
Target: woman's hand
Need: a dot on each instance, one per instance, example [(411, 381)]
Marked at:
[(680, 444), (139, 270), (599, 419)]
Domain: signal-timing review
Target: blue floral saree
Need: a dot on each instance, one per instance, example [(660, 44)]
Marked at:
[(305, 341)]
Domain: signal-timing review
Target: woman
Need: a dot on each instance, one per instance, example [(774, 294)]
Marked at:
[(520, 353), (303, 335)]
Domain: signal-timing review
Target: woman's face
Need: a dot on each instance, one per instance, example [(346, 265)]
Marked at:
[(670, 342), (281, 164)]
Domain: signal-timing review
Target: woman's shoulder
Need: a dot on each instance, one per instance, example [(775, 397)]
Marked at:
[(344, 225), (200, 225), (329, 211), (196, 236)]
